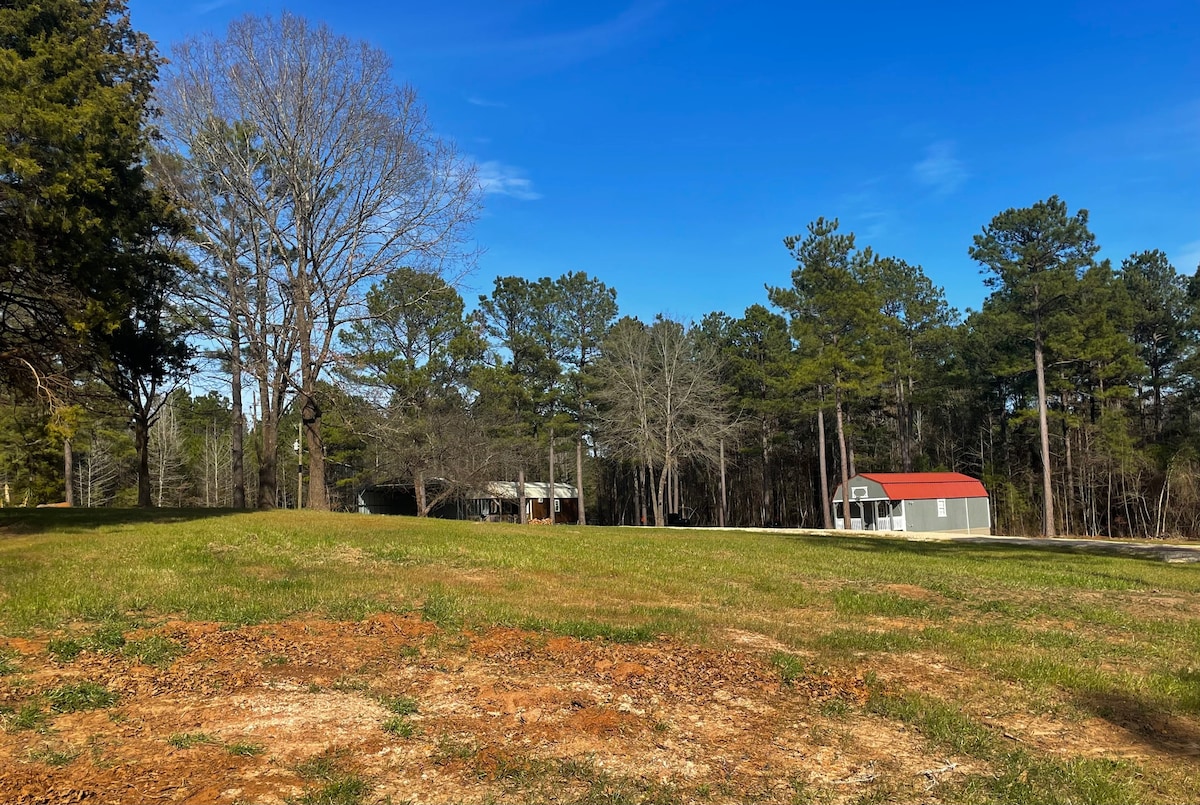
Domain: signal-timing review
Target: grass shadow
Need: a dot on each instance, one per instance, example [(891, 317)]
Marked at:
[(15, 522), (1012, 547), (1149, 724)]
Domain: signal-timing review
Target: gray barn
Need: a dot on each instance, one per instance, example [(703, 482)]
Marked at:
[(915, 501)]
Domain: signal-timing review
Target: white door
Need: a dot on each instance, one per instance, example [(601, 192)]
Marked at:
[(898, 517)]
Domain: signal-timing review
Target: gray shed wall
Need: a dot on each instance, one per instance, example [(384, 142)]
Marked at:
[(964, 515)]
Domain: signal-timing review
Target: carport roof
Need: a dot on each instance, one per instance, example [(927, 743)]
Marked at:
[(926, 485)]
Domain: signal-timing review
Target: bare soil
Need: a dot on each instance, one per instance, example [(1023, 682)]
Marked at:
[(504, 715)]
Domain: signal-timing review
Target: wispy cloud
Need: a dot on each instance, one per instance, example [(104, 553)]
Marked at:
[(592, 39), (212, 5), (475, 100), (941, 170), (864, 212), (555, 48), (499, 179), (1187, 258)]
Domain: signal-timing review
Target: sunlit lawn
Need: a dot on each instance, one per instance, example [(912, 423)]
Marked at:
[(1030, 629)]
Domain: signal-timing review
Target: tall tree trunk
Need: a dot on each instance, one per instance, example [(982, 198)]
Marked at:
[(310, 415), (823, 464), (678, 491), (141, 441), (721, 508), (660, 494), (639, 492), (579, 477), (521, 496), (1156, 383), (266, 444), (765, 512), (1069, 483), (553, 493), (237, 422), (841, 435), (69, 471), (419, 492), (1044, 430)]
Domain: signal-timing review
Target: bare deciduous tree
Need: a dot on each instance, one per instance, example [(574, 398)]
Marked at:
[(663, 401), (335, 171), (168, 468)]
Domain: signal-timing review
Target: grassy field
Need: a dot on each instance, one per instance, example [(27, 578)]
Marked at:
[(958, 642)]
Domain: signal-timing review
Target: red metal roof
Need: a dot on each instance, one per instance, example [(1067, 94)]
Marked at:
[(926, 485)]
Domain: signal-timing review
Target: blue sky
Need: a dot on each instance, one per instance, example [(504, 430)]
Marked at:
[(668, 147)]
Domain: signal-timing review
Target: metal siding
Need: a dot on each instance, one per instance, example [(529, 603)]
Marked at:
[(981, 516), (956, 515), (922, 516)]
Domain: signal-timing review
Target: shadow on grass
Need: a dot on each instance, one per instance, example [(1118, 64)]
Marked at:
[(1149, 724), (69, 521), (1025, 548)]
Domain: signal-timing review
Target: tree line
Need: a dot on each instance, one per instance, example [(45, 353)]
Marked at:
[(275, 210)]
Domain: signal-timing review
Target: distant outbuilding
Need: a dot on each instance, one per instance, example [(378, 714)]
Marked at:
[(495, 501), (915, 501)]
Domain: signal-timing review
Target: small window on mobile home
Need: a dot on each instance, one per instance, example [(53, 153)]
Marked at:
[(941, 507)]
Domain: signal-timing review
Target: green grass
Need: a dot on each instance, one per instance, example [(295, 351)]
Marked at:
[(1019, 776), (51, 756), (245, 748), (400, 705), (154, 650), (29, 716), (400, 726), (187, 740), (338, 784), (1110, 637), (790, 667), (858, 602), (344, 789), (80, 696)]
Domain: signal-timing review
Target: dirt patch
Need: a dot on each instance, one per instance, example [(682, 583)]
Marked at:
[(912, 591), (247, 714)]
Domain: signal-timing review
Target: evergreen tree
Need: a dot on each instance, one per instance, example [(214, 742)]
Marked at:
[(78, 220), (413, 357), (835, 318), (1033, 258), (1160, 328)]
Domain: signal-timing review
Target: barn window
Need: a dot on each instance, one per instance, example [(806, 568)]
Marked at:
[(941, 507)]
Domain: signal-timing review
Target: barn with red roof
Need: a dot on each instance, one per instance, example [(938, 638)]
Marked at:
[(915, 501)]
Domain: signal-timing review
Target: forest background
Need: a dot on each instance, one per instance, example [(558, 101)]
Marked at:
[(275, 211)]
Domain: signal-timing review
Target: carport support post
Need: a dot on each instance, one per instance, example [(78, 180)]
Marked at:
[(967, 509)]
